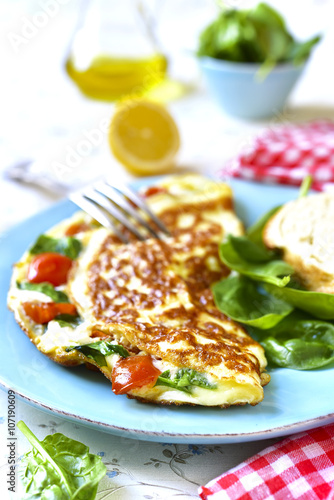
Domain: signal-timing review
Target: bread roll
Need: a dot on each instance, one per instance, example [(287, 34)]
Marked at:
[(304, 230)]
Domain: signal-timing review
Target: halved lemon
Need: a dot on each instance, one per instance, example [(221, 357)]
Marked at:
[(144, 137)]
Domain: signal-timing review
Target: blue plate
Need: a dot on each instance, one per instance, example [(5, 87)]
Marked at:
[(294, 400)]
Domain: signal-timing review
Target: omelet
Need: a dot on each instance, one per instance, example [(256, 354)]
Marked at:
[(144, 313)]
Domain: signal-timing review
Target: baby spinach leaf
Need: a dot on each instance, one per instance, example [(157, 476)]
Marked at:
[(68, 246), (257, 35), (187, 376), (298, 354), (300, 325), (275, 271), (166, 380), (68, 320), (46, 288), (305, 186), (320, 305), (250, 251), (255, 232), (59, 468), (240, 299), (300, 51), (99, 350), (298, 341), (184, 379)]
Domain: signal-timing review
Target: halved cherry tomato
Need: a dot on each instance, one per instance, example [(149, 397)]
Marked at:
[(43, 312), (78, 227), (51, 267), (132, 373), (154, 190)]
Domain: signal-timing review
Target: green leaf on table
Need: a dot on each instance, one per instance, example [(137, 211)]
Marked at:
[(318, 304), (46, 288), (59, 468), (98, 351), (275, 271), (184, 379), (240, 299), (68, 246)]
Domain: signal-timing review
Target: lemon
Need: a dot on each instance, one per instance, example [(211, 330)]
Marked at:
[(144, 137)]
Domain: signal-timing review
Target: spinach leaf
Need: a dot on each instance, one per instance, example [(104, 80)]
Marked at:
[(68, 320), (266, 271), (184, 379), (257, 35), (297, 353), (45, 288), (165, 379), (59, 468), (250, 251), (305, 186), (300, 325), (68, 246), (300, 51), (298, 341), (99, 350), (240, 299), (320, 305), (255, 232)]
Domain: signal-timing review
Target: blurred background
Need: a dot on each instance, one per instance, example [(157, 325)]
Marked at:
[(47, 119)]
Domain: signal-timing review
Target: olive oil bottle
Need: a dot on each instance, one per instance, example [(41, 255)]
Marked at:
[(114, 51), (110, 78)]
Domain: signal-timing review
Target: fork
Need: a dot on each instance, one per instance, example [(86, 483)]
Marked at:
[(109, 204)]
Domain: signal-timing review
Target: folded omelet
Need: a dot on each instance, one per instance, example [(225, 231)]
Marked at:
[(144, 312)]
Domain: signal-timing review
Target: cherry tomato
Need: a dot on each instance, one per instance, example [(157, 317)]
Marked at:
[(154, 190), (132, 373), (78, 227), (43, 312), (51, 267)]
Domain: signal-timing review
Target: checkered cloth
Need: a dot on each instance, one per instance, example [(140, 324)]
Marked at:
[(299, 467), (286, 154)]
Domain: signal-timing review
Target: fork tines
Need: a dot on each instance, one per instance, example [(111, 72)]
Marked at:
[(110, 204)]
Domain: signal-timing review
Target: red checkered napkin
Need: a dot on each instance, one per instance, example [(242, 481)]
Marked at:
[(286, 154), (299, 467)]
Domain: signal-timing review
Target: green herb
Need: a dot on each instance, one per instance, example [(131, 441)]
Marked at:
[(319, 304), (241, 299), (45, 288), (305, 186), (270, 271), (255, 232), (99, 350), (257, 35), (68, 246), (184, 379), (298, 354), (68, 320), (59, 468), (279, 313)]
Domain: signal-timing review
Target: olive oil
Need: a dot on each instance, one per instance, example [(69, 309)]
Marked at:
[(110, 78)]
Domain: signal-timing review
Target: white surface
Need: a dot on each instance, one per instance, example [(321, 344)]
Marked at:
[(45, 118)]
